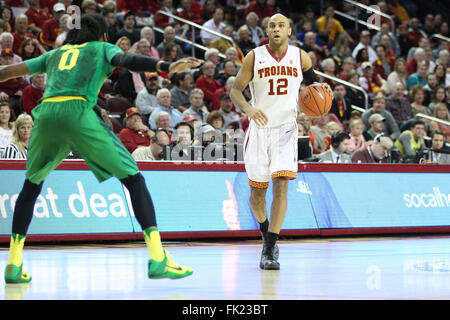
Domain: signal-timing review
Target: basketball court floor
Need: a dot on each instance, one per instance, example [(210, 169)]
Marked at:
[(407, 267)]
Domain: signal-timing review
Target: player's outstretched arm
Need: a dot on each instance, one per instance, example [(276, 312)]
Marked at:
[(141, 63), (13, 71), (243, 78), (309, 76)]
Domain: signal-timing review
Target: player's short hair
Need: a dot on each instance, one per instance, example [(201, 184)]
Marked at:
[(93, 26)]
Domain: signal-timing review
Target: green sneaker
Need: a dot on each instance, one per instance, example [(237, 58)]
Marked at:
[(15, 274), (167, 269)]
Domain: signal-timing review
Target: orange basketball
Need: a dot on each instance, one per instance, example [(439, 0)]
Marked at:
[(315, 101)]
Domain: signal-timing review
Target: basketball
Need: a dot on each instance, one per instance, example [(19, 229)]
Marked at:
[(315, 101)]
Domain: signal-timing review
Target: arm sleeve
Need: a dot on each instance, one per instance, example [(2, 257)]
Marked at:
[(309, 76), (138, 63)]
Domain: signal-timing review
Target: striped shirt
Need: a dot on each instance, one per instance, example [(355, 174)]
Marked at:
[(13, 152)]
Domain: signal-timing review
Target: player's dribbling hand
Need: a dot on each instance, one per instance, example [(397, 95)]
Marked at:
[(327, 87), (258, 116), (183, 64)]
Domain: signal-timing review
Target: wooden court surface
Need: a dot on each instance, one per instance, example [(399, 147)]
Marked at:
[(407, 267)]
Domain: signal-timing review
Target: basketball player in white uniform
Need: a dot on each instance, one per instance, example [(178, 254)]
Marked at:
[(274, 73)]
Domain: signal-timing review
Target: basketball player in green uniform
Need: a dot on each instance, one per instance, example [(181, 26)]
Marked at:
[(65, 121)]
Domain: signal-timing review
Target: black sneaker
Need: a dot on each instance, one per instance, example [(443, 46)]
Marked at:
[(268, 260), (276, 251)]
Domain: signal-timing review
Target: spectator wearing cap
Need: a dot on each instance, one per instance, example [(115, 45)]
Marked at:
[(33, 93), (51, 29), (404, 41), (329, 27), (364, 43), (390, 127), (418, 78), (129, 28), (207, 83), (197, 108), (181, 91), (369, 80), (135, 134), (399, 105), (36, 15), (164, 100), (7, 42), (155, 151), (11, 89), (146, 100), (376, 127)]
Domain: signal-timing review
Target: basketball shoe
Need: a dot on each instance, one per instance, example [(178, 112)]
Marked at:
[(167, 269), (15, 274)]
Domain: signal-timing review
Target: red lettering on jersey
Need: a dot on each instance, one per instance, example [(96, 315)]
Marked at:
[(261, 72), (289, 71), (283, 71), (273, 71), (267, 72), (278, 70), (295, 72)]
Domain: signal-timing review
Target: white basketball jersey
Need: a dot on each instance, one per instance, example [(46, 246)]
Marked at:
[(276, 83)]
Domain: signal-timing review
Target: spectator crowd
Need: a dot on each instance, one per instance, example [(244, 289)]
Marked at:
[(390, 82)]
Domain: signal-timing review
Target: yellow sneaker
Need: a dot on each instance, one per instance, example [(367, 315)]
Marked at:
[(167, 269)]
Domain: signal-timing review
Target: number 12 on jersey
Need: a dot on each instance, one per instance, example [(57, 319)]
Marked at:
[(279, 88)]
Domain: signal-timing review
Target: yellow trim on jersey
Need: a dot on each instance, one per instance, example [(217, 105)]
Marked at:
[(285, 174), (63, 98), (258, 185)]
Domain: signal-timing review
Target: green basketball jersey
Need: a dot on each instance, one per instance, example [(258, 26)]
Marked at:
[(76, 70)]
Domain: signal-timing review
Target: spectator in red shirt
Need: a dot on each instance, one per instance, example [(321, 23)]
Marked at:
[(33, 93), (261, 8), (48, 5), (135, 134), (7, 15), (36, 15), (50, 28), (21, 32), (411, 64), (207, 83), (187, 13), (15, 3)]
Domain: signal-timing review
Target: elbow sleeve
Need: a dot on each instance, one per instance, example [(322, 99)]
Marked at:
[(309, 76)]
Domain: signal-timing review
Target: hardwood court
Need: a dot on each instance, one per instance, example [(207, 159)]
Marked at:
[(339, 268)]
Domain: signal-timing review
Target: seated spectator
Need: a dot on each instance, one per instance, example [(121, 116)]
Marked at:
[(146, 100), (438, 96), (349, 64), (33, 93), (310, 44), (376, 127), (399, 106), (244, 40), (376, 152), (338, 150), (36, 16), (418, 96), (163, 97), (129, 29), (440, 73), (216, 120), (88, 6), (7, 15), (208, 9), (183, 134), (356, 97), (113, 25), (223, 44), (430, 88), (429, 59), (135, 134), (186, 12), (418, 78), (232, 119), (327, 26), (229, 70), (21, 134), (331, 128), (318, 130), (155, 151), (329, 68), (212, 55), (307, 27), (143, 47), (51, 28), (398, 75), (124, 43), (207, 83), (31, 48), (361, 57), (261, 7), (7, 119), (411, 141), (444, 57), (364, 43), (197, 108), (341, 105), (169, 37), (437, 143), (181, 90), (412, 64), (170, 54), (162, 20), (65, 28), (414, 32), (21, 32), (404, 40), (341, 50), (381, 66), (369, 79), (11, 90), (424, 43), (390, 127), (215, 24), (256, 33), (7, 42), (398, 10), (390, 54), (393, 43), (441, 112), (357, 141), (306, 121)]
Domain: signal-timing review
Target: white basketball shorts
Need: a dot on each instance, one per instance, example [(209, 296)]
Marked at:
[(270, 153)]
